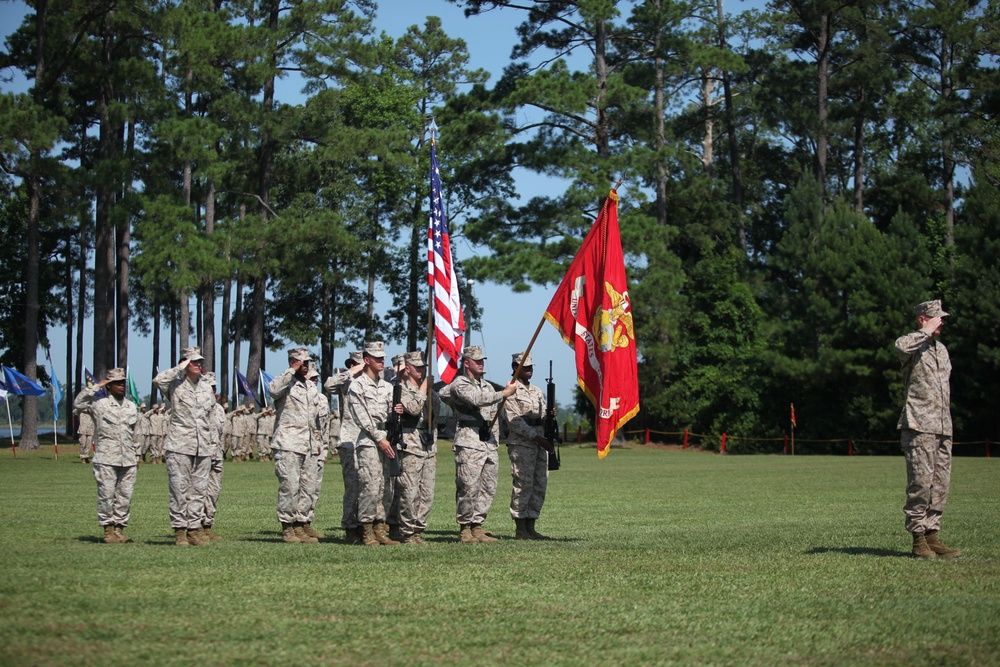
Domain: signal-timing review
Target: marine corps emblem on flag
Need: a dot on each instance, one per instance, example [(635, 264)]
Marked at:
[(593, 313)]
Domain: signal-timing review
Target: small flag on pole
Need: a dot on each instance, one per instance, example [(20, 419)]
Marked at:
[(265, 380), (20, 384), (244, 387), (57, 394), (793, 415), (92, 382), (133, 391), (593, 312)]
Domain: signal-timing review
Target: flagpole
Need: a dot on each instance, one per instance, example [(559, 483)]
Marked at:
[(429, 357)]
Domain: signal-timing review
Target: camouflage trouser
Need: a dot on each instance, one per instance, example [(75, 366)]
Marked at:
[(475, 484), (372, 485), (156, 446), (318, 464), (416, 491), (114, 493), (390, 491), (249, 441), (352, 487), (86, 446), (263, 447), (213, 491), (187, 476), (928, 477), (296, 476), (529, 471)]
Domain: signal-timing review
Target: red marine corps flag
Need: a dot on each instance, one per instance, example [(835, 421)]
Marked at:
[(593, 313)]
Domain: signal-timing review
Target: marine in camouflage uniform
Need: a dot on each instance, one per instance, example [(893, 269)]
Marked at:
[(926, 430), (474, 401), (115, 451), (418, 452), (339, 384), (142, 432), (528, 451), (228, 431), (86, 434), (319, 453), (369, 401), (188, 446), (218, 458), (293, 444), (265, 426)]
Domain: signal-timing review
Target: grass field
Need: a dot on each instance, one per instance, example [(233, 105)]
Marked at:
[(660, 558)]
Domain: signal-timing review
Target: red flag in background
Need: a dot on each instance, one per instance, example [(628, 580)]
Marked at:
[(793, 414), (593, 313)]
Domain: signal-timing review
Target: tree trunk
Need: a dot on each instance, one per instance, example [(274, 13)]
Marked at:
[(822, 82), (223, 371), (208, 288), (708, 137), (947, 156), (69, 395), (602, 128), (238, 337), (124, 236), (156, 351), (859, 158), (734, 150)]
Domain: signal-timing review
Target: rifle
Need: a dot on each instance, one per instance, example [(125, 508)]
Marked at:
[(551, 427), (394, 426)]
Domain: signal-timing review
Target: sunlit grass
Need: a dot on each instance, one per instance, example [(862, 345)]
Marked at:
[(659, 557)]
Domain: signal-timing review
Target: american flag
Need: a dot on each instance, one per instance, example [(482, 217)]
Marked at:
[(449, 323)]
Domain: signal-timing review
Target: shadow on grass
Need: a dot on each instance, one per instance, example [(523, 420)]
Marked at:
[(860, 551)]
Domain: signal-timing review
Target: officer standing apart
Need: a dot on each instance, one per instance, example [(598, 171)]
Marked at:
[(528, 451), (188, 446), (294, 440), (418, 453), (474, 401), (115, 451), (218, 458), (369, 401), (926, 433)]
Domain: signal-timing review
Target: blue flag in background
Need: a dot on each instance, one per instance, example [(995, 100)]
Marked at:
[(57, 394), (21, 385), (265, 379), (244, 387), (92, 382)]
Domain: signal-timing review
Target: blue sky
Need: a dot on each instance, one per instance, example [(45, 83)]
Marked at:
[(509, 319)]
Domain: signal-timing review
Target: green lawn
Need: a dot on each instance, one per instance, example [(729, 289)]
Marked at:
[(660, 557)]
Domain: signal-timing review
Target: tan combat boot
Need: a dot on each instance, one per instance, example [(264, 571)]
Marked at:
[(381, 531), (300, 532), (109, 535), (521, 532), (480, 534), (465, 535), (180, 537), (120, 535), (368, 535), (413, 539), (938, 547), (308, 530), (210, 535), (288, 534), (920, 548), (198, 538), (535, 535)]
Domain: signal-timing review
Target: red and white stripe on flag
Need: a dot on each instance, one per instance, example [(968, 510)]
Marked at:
[(449, 322)]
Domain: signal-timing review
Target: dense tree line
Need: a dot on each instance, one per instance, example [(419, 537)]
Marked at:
[(796, 179)]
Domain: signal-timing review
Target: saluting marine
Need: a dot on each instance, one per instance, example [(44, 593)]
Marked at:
[(115, 451), (339, 384)]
